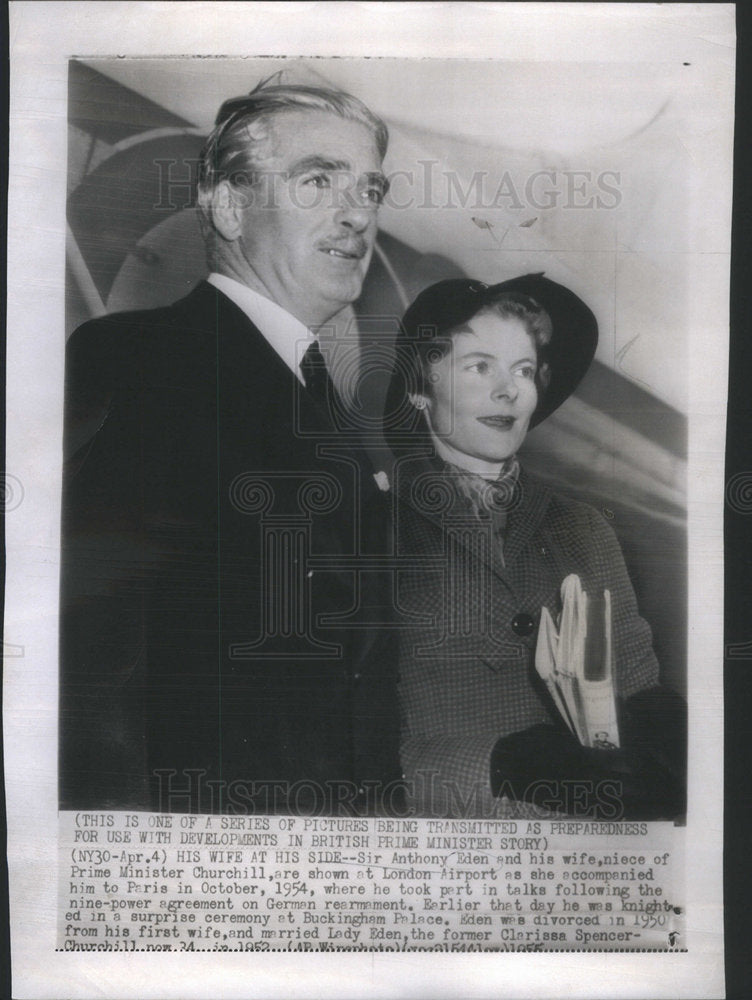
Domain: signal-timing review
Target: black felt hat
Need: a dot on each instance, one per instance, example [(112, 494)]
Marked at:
[(448, 304)]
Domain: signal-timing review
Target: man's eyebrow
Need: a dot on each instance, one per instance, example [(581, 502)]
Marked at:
[(379, 180), (316, 162)]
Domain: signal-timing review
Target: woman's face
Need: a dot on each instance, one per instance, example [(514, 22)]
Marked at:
[(483, 390)]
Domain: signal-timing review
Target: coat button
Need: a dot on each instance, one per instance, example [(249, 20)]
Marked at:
[(522, 624)]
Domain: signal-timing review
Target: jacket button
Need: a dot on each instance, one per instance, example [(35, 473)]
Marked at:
[(522, 624)]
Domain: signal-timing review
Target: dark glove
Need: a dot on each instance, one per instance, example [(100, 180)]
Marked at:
[(644, 779)]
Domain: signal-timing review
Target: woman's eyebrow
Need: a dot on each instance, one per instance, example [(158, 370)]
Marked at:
[(485, 354), (476, 354)]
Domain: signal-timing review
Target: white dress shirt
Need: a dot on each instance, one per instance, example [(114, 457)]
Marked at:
[(286, 334)]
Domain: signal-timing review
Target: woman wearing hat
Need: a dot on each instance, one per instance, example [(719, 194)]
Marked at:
[(482, 547)]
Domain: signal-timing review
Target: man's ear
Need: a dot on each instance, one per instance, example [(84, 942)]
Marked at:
[(226, 212), (419, 401)]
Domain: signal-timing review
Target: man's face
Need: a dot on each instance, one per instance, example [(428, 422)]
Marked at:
[(310, 223)]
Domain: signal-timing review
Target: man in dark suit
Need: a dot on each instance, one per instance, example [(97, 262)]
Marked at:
[(219, 639)]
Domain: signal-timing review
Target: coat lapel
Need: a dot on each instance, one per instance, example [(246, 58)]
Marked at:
[(421, 485), (241, 363), (525, 519), (251, 378)]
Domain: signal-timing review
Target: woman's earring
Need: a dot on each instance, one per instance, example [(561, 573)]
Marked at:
[(419, 402)]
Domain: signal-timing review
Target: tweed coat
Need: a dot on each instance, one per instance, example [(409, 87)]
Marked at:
[(217, 643), (467, 674)]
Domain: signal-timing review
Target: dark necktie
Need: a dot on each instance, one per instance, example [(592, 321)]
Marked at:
[(316, 376)]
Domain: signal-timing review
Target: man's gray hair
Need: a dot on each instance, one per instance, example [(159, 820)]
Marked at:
[(243, 125)]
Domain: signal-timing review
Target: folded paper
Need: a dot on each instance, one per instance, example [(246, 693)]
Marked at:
[(574, 657)]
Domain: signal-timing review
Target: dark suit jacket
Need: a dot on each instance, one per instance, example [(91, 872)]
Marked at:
[(215, 634)]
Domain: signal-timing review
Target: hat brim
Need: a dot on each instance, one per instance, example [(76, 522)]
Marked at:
[(574, 336)]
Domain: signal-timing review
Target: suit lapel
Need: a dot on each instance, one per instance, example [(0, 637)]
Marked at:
[(244, 362), (252, 376)]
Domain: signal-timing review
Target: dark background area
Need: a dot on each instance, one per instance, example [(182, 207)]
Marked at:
[(5, 978), (738, 543)]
